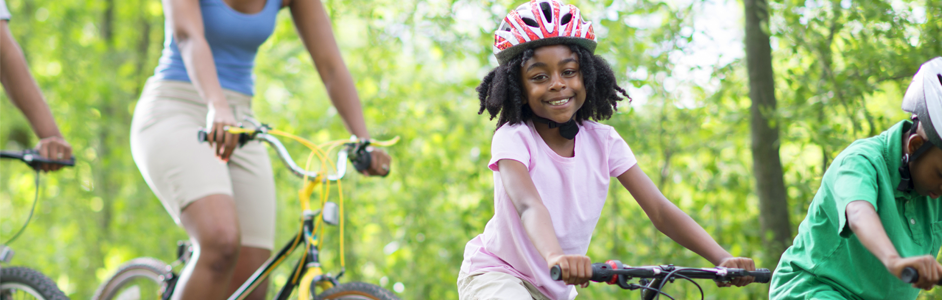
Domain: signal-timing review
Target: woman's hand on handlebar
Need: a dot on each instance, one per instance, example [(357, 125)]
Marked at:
[(576, 269), (929, 270), (218, 119), (379, 162), (738, 263), (53, 148)]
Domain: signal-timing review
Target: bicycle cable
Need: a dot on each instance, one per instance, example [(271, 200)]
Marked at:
[(667, 278), (657, 291), (30, 217)]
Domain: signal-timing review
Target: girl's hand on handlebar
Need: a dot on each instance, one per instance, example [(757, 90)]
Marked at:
[(218, 120), (576, 269), (738, 263), (53, 148), (379, 162), (926, 266)]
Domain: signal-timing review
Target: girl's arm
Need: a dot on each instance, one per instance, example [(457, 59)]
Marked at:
[(576, 269), (26, 96), (186, 20), (677, 225), (314, 28)]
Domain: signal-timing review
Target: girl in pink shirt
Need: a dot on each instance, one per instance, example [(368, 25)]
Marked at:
[(552, 162)]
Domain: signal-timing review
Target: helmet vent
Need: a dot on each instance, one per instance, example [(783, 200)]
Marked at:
[(939, 76), (531, 22), (547, 13), (566, 19)]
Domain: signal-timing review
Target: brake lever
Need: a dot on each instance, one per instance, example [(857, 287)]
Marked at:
[(361, 157)]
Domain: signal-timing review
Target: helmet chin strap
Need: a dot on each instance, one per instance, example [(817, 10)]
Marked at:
[(568, 130), (906, 180)]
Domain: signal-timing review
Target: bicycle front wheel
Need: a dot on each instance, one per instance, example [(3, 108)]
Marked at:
[(26, 283), (138, 279), (357, 291)]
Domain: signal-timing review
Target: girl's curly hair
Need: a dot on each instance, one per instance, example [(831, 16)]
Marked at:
[(501, 91)]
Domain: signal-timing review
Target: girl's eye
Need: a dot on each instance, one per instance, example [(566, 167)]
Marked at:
[(539, 77), (569, 72)]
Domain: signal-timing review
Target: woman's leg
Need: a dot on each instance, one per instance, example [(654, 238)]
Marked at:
[(212, 224), (250, 259)]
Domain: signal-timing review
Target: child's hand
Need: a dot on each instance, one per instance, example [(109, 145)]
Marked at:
[(926, 266), (576, 269), (738, 263)]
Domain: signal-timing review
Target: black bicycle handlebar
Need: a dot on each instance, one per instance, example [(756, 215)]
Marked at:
[(910, 275), (32, 158), (609, 271)]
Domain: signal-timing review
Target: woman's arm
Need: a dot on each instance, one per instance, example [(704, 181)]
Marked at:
[(186, 20), (315, 31), (677, 225), (576, 269), (26, 96), (866, 225)]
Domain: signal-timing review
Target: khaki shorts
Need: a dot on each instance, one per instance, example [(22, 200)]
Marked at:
[(180, 169), (496, 286)]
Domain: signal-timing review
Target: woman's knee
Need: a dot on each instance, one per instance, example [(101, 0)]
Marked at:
[(220, 243), (213, 223)]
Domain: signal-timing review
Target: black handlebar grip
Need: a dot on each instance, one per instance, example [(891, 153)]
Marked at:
[(202, 136), (556, 273), (762, 275), (910, 275), (601, 272)]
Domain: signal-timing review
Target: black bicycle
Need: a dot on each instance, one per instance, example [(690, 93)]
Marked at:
[(151, 278), (653, 278), (22, 282)]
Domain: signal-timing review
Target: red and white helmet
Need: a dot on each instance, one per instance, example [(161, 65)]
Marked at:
[(541, 23), (923, 98)]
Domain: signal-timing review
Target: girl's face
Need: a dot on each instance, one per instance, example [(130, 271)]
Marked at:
[(553, 83)]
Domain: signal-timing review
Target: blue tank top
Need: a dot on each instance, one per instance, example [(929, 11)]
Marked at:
[(233, 38)]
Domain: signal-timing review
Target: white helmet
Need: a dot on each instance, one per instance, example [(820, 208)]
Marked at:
[(923, 98)]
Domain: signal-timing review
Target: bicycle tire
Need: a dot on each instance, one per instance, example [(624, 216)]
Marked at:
[(149, 269), (357, 291), (30, 282)]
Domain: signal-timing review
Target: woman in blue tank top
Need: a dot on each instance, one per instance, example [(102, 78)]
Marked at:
[(224, 198)]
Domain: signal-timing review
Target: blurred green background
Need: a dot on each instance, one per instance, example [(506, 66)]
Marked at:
[(841, 68)]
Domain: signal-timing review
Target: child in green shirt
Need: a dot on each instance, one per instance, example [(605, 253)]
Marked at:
[(877, 211)]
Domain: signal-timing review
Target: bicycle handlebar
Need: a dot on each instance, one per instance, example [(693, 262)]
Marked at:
[(609, 272), (360, 161), (910, 275), (32, 158)]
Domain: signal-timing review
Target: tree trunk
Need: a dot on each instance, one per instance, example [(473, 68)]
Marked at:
[(767, 166)]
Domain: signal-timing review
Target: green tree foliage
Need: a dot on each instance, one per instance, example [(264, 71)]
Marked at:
[(841, 68)]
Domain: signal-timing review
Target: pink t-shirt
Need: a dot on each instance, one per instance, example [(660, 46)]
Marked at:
[(573, 189)]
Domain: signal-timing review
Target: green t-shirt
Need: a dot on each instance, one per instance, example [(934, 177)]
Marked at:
[(827, 261)]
